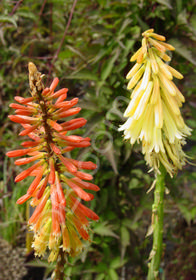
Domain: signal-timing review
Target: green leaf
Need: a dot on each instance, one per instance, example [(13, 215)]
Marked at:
[(84, 74), (109, 154), (108, 66), (112, 274), (182, 50), (8, 19), (117, 263), (125, 236), (166, 3), (105, 229), (100, 276)]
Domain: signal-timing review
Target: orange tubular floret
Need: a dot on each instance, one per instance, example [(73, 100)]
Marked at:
[(23, 198), (30, 143), (39, 208), (24, 119), (66, 104), (89, 165), (55, 149), (27, 172), (78, 225), (60, 92), (61, 214), (22, 152), (60, 193), (83, 175), (74, 125), (55, 125), (51, 178), (69, 112), (28, 130), (61, 98), (23, 112), (83, 209), (70, 167), (81, 193), (22, 100), (66, 239), (55, 205), (22, 161), (42, 187), (36, 181), (85, 185), (54, 84)]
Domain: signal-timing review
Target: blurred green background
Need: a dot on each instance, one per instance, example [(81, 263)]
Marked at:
[(87, 44)]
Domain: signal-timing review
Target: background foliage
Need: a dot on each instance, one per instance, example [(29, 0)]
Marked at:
[(90, 54)]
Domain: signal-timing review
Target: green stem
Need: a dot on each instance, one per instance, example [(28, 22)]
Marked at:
[(59, 270), (157, 224)]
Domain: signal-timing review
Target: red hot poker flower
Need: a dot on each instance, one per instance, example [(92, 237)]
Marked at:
[(60, 219)]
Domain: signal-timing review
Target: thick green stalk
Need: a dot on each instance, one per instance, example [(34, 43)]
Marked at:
[(157, 224)]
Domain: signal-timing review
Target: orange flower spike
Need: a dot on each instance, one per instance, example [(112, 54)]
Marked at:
[(39, 117)]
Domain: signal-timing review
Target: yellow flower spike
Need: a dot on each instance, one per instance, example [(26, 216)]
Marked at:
[(154, 117)]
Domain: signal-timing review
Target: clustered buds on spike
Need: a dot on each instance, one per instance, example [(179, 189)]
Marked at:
[(154, 117), (59, 219)]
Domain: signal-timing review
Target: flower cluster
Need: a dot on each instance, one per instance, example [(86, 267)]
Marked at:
[(59, 219), (154, 117)]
